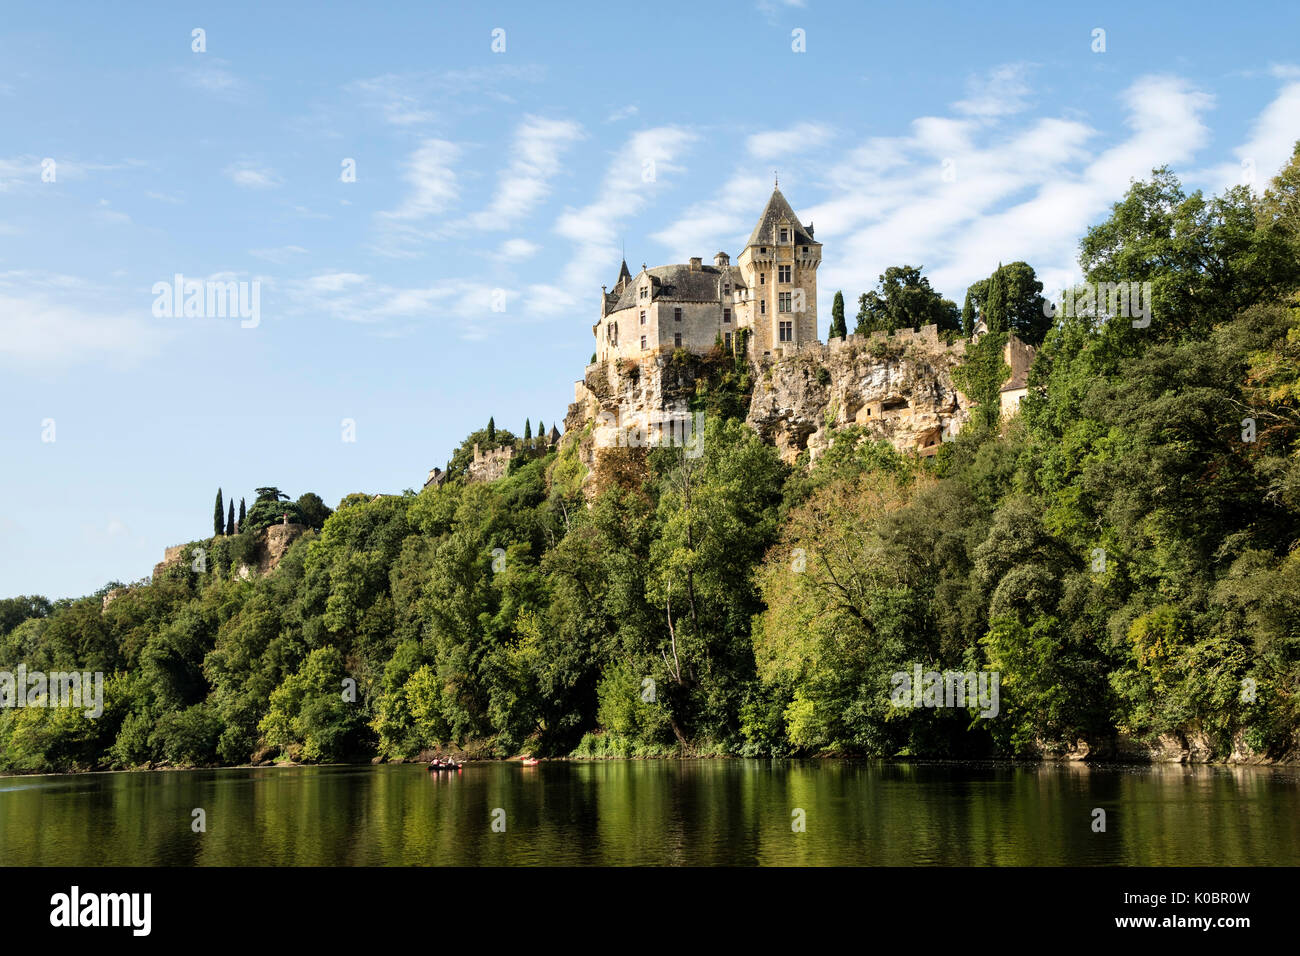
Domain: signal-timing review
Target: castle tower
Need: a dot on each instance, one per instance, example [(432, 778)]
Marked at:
[(779, 264)]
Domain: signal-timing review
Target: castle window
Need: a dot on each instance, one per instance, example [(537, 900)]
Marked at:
[(726, 289), (783, 301), (762, 278), (763, 250), (677, 315), (782, 273), (645, 291), (805, 248), (784, 235), (643, 341), (727, 341), (787, 331), (762, 306), (643, 316), (726, 315), (677, 340)]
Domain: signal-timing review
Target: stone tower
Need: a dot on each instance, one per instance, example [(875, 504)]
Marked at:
[(779, 264)]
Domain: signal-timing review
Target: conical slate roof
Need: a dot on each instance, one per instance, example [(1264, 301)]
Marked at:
[(777, 209)]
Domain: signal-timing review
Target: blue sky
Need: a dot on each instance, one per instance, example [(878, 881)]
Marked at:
[(458, 276)]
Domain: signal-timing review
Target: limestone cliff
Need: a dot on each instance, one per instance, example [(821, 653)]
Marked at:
[(898, 387)]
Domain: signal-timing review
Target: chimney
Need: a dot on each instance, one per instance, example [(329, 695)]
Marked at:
[(695, 263), (721, 260)]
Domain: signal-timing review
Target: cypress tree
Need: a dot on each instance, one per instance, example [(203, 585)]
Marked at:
[(230, 521), (995, 305), (838, 328), (528, 432), (541, 433), (217, 515), (242, 514), (492, 431), (968, 316)]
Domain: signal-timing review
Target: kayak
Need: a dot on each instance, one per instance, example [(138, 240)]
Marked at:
[(435, 767), (529, 761)]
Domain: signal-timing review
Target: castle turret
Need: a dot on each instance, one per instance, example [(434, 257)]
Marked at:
[(780, 267)]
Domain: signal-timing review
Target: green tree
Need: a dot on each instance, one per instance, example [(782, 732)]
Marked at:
[(902, 299), (491, 432), (230, 519), (838, 328), (218, 515), (312, 511), (243, 513)]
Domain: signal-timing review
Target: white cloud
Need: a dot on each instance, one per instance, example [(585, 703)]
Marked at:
[(1023, 194), (279, 255), (468, 305), (516, 249), (635, 173), (800, 138), (433, 189), (1272, 139), (1000, 92), (52, 320), (250, 175), (622, 113), (536, 151), (209, 73)]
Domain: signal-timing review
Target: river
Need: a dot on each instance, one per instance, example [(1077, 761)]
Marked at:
[(738, 812)]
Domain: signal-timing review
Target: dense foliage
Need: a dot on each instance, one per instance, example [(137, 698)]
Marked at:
[(1121, 552)]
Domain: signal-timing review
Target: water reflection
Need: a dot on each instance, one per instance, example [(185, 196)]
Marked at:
[(736, 812)]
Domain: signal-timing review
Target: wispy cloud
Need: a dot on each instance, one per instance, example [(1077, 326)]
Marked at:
[(1272, 138), (211, 74), (48, 320), (800, 138), (433, 188), (252, 175), (1002, 91), (467, 306), (636, 172), (536, 153)]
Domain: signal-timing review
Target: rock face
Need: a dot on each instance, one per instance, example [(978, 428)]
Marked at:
[(272, 548), (899, 387)]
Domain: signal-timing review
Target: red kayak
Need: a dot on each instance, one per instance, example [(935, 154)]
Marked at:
[(529, 761)]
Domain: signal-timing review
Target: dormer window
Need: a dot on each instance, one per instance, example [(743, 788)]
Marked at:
[(645, 291), (785, 235), (726, 289)]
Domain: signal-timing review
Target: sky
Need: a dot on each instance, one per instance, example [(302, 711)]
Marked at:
[(427, 197)]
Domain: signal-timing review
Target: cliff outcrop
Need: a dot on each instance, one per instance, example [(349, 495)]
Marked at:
[(898, 387)]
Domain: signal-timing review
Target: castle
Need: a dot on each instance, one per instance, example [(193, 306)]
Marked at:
[(770, 295)]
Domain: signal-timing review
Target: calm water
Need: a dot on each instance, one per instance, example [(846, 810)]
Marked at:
[(657, 812)]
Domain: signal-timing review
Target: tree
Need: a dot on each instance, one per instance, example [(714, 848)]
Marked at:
[(903, 299), (838, 329), (968, 316), (541, 432), (312, 510), (243, 512), (528, 433), (230, 520), (492, 431), (271, 493), (1016, 306), (218, 515), (995, 306)]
